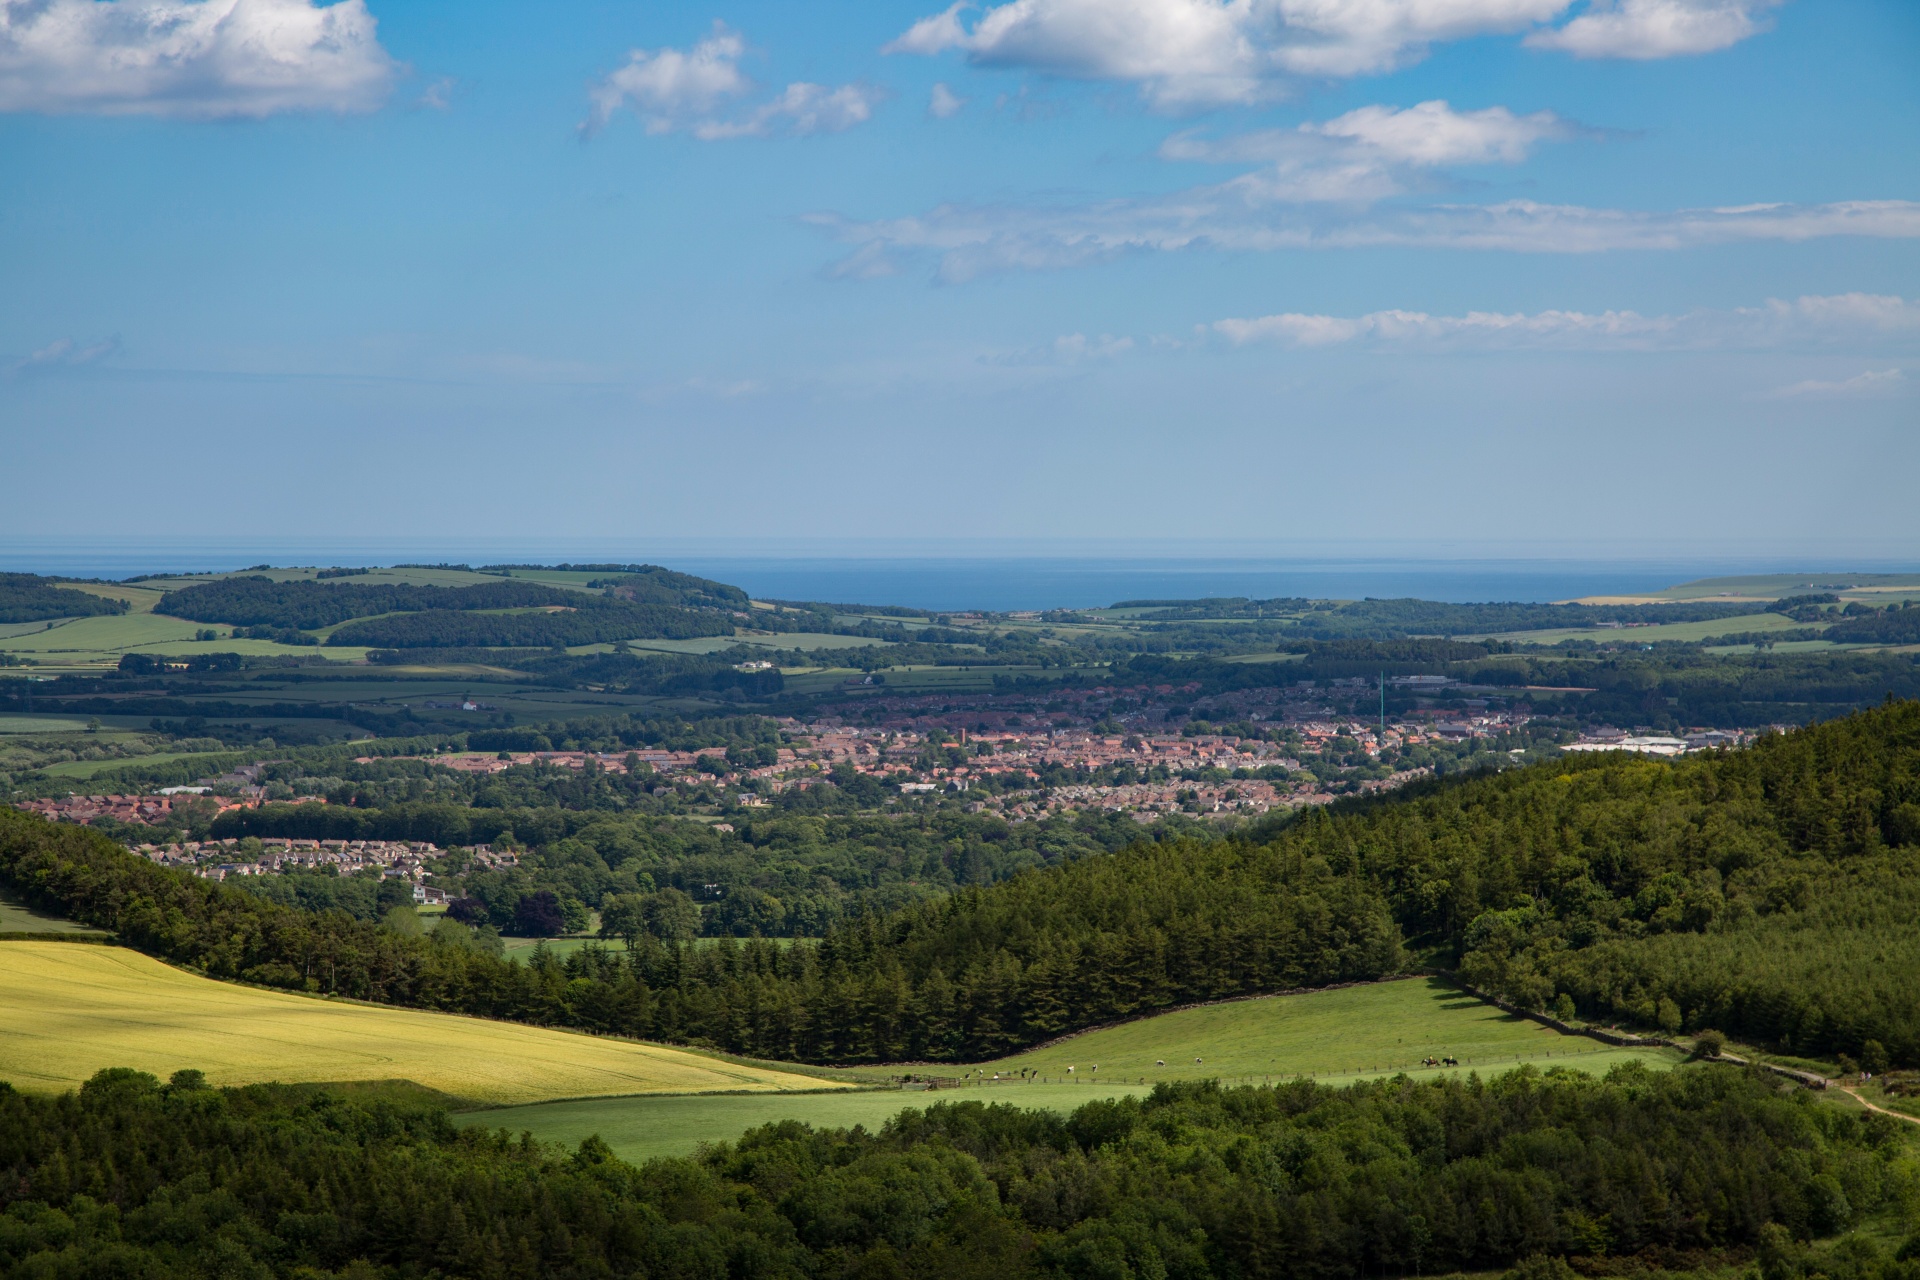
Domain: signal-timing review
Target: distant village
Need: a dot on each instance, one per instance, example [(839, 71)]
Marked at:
[(1160, 751)]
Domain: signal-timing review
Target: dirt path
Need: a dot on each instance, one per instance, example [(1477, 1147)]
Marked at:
[(1897, 1115)]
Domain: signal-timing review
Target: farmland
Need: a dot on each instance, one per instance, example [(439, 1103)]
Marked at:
[(1690, 632), (80, 643), (18, 917), (1340, 1035), (119, 1008)]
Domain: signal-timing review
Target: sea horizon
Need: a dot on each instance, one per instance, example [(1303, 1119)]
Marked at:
[(991, 575)]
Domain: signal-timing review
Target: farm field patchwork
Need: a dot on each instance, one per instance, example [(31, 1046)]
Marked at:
[(100, 641), (1338, 1037), (70, 1010)]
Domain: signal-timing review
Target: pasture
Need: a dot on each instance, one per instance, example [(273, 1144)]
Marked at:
[(1339, 1036), (100, 641), (70, 1010), (642, 1128), (1378, 1028), (17, 917)]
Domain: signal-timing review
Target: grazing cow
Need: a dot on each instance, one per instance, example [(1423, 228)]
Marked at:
[(1161, 1063), (1196, 1062), (1069, 1070)]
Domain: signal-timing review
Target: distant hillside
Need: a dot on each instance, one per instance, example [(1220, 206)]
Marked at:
[(653, 604), (1396, 619), (26, 597)]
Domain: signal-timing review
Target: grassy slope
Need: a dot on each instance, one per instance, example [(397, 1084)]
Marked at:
[(18, 917), (1385, 1026), (100, 641), (1339, 1035), (118, 1008)]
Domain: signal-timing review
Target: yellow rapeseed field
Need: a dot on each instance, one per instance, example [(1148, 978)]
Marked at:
[(67, 1010)]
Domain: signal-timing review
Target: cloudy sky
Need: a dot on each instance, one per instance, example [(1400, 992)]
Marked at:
[(1516, 271)]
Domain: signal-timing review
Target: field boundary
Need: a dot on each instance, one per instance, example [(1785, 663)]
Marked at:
[(1619, 1039), (479, 1108), (29, 935)]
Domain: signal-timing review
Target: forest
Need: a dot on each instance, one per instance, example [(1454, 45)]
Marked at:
[(1771, 893), (133, 1178), (584, 620), (26, 597), (407, 616)]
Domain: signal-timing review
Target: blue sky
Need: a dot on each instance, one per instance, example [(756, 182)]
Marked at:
[(1524, 272)]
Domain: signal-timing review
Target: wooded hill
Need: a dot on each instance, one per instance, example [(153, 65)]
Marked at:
[(1772, 893), (407, 616), (132, 1178), (26, 597)]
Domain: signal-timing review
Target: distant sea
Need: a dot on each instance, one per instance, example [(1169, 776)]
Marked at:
[(996, 582)]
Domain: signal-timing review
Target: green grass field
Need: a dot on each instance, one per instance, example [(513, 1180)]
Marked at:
[(1336, 1036), (642, 1128), (70, 1010), (1378, 1028), (17, 917), (1684, 631), (94, 642), (78, 769)]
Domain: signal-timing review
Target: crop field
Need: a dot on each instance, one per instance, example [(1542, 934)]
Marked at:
[(1335, 1036), (71, 1010), (1872, 587)]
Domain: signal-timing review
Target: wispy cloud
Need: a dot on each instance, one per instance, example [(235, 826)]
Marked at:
[(1246, 215), (1372, 153), (1807, 321), (1874, 382), (1647, 29), (64, 353), (1204, 52), (684, 90), (190, 58), (943, 103), (438, 95)]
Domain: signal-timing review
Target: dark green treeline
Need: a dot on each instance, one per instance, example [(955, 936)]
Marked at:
[(133, 1179)]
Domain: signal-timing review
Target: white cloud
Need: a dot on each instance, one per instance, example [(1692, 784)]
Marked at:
[(190, 58), (801, 109), (666, 86), (1656, 28), (64, 353), (1874, 382), (1849, 318), (1364, 156), (1198, 52), (1433, 133), (943, 103), (675, 90), (438, 95), (1255, 214)]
